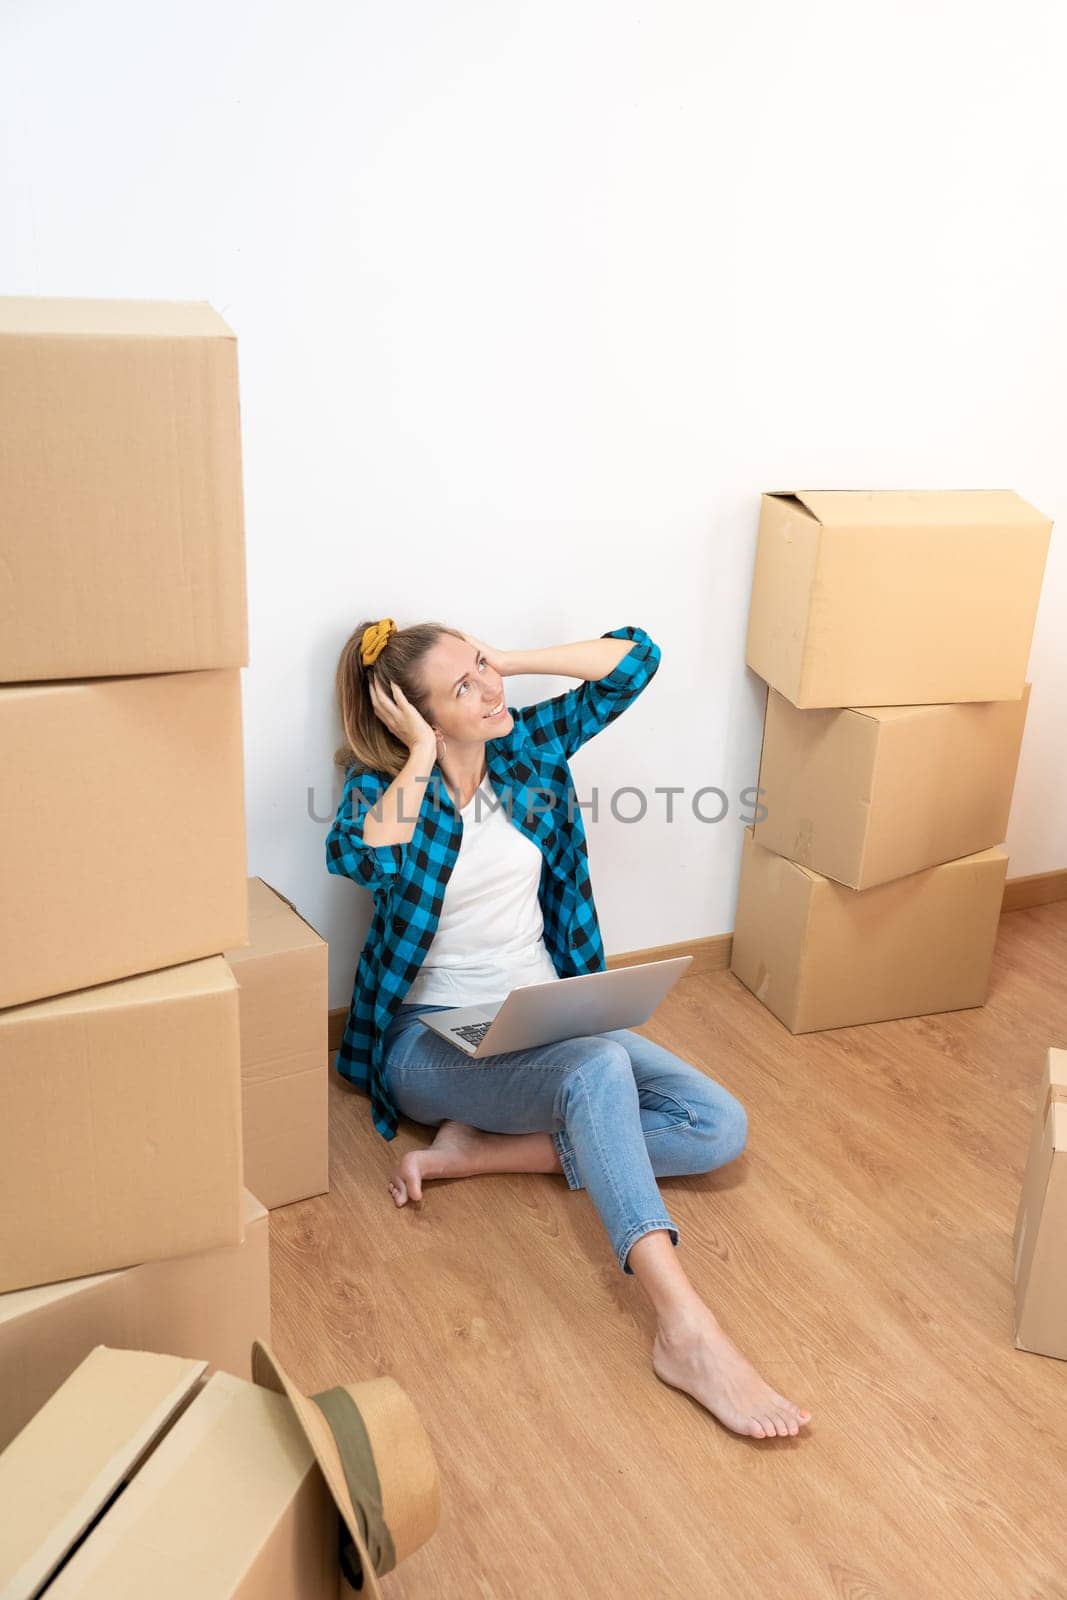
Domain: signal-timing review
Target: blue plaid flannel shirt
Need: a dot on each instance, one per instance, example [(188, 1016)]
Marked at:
[(528, 771)]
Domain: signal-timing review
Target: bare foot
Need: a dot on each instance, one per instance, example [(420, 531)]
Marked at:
[(701, 1359), (452, 1155)]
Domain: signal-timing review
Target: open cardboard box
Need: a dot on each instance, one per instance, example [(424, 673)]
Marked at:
[(142, 1480), (890, 597)]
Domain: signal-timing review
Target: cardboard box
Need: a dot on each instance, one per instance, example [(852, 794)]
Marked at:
[(1041, 1222), (895, 597), (820, 955), (177, 1487), (211, 1304), (120, 1125), (282, 979), (867, 795), (120, 489), (123, 844)]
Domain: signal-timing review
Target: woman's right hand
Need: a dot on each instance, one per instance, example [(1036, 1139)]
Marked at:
[(401, 717)]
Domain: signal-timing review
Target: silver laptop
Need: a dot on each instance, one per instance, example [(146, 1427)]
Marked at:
[(544, 1013)]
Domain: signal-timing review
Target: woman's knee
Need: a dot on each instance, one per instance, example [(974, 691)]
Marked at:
[(600, 1067), (594, 1050), (724, 1123)]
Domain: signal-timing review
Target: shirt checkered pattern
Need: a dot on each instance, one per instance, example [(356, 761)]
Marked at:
[(528, 771)]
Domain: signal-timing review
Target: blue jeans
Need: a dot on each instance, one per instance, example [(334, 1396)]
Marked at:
[(620, 1110)]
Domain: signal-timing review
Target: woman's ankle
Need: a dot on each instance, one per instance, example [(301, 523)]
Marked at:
[(678, 1323)]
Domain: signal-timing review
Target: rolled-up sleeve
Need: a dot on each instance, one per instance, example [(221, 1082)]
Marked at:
[(569, 720), (376, 867)]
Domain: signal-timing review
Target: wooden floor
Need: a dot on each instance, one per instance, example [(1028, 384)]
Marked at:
[(859, 1252)]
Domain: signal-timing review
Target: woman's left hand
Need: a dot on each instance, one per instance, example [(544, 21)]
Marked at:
[(497, 659)]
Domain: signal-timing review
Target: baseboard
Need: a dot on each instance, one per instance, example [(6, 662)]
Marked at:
[(713, 954), (1039, 889)]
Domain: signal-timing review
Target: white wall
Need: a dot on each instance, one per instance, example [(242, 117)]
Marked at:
[(533, 300)]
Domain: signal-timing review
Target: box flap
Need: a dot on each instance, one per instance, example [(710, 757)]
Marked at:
[(277, 893), (171, 319), (274, 926), (210, 975), (17, 1303), (256, 886), (889, 508), (897, 713), (252, 1208), (1056, 1097), (60, 1471), (961, 864), (794, 501)]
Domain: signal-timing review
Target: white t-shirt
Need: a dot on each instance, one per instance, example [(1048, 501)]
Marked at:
[(490, 935)]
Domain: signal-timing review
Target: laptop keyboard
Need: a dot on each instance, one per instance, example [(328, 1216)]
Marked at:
[(473, 1032)]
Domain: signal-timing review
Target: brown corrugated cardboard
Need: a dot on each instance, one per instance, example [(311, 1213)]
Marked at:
[(120, 489), (209, 1304), (58, 1473), (120, 1125), (821, 955), (123, 844), (1041, 1222), (864, 795), (230, 1504), (895, 597), (282, 977)]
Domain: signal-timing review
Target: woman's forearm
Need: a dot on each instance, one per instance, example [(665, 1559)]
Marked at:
[(588, 659), (392, 819)]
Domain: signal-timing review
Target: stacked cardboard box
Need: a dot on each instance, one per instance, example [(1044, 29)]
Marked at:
[(893, 630), (209, 1304), (282, 980), (1041, 1221), (122, 851)]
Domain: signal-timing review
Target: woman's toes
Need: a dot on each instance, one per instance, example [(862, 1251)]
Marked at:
[(411, 1174), (405, 1183), (756, 1429), (790, 1411)]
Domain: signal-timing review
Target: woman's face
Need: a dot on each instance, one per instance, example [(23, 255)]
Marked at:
[(464, 690)]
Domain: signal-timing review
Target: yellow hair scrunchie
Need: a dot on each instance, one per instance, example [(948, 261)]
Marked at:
[(375, 638)]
